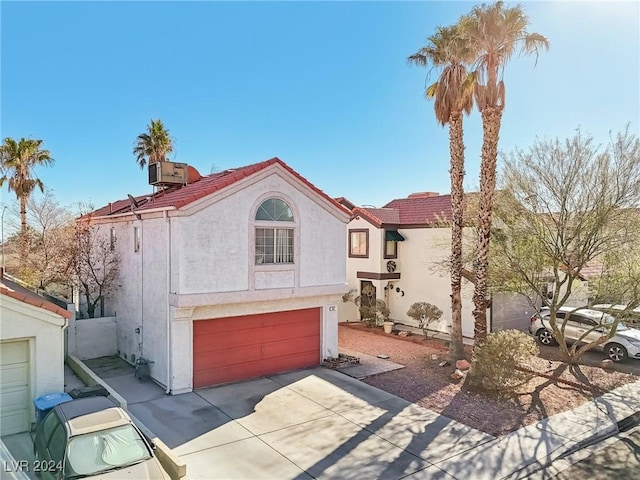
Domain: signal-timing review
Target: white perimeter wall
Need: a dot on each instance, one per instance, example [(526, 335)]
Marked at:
[(95, 337)]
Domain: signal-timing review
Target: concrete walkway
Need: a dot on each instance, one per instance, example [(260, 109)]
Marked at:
[(368, 366), (323, 424)]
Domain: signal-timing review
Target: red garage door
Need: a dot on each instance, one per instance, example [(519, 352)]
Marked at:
[(237, 348)]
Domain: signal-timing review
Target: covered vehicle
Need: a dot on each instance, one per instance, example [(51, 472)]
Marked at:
[(587, 325), (93, 438)]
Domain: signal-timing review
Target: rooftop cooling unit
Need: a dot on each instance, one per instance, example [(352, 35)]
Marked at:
[(168, 173)]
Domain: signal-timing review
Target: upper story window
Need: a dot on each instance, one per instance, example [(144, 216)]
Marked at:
[(274, 232), (391, 239), (390, 249), (359, 243)]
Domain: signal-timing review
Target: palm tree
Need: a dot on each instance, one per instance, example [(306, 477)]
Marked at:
[(154, 145), (494, 32), (448, 52), (17, 161)]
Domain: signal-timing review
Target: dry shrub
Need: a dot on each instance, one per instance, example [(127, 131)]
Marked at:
[(495, 362)]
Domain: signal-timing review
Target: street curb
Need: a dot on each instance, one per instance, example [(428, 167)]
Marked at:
[(559, 460)]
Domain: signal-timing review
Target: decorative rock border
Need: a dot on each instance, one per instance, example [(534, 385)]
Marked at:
[(340, 361)]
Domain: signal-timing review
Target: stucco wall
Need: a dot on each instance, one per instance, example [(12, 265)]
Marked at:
[(45, 333), (140, 301), (215, 245), (348, 312), (212, 266), (95, 337), (421, 279)]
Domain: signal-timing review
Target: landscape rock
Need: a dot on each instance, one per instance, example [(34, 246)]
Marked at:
[(443, 363), (463, 365), (434, 356), (606, 363), (458, 374), (403, 333)]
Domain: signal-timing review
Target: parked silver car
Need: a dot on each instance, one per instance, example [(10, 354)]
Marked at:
[(624, 344), (93, 438)]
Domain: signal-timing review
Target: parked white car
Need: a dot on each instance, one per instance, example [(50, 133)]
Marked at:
[(630, 317), (624, 344)]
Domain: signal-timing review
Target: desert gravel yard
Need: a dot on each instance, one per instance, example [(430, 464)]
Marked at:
[(559, 386)]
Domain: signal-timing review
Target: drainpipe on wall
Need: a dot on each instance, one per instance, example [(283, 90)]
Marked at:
[(168, 333), (141, 340)]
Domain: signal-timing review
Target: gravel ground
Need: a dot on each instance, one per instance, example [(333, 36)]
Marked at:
[(425, 383)]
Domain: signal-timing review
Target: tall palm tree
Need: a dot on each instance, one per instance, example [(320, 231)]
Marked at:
[(17, 161), (495, 32), (153, 145), (449, 53)]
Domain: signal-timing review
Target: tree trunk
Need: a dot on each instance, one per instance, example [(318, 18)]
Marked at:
[(491, 117), (456, 150), (23, 236)]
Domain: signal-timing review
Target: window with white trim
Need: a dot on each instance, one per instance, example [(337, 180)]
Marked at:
[(274, 232)]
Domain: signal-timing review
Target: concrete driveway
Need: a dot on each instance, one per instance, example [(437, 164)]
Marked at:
[(311, 423)]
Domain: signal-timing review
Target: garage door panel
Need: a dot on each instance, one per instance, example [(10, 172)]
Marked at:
[(291, 332), (232, 373), (293, 317), (222, 325), (237, 338), (293, 361), (239, 348), (15, 375), (283, 347), (228, 356), (15, 395)]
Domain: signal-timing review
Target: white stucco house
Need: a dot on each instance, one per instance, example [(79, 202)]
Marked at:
[(396, 253), (225, 277), (31, 353)]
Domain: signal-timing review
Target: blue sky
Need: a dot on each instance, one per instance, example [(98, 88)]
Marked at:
[(325, 86)]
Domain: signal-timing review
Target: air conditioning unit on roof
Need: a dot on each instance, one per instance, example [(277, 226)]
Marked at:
[(168, 173)]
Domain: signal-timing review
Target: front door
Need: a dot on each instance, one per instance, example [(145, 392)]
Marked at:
[(368, 292)]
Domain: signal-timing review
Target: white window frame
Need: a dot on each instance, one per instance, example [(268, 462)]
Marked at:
[(286, 258)]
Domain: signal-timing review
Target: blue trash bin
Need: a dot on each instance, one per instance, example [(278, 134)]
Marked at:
[(45, 403)]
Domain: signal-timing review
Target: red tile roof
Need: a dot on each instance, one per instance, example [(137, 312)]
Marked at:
[(13, 290), (345, 203), (180, 196), (422, 210), (377, 216)]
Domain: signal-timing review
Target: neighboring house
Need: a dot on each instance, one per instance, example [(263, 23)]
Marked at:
[(230, 276), (31, 353), (398, 254)]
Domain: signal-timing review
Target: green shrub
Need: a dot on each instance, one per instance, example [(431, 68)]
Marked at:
[(495, 362), (424, 313)]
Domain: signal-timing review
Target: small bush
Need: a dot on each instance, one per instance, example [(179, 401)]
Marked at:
[(495, 362), (424, 313)]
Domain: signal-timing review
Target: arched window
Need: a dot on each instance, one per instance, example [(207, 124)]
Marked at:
[(274, 232)]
